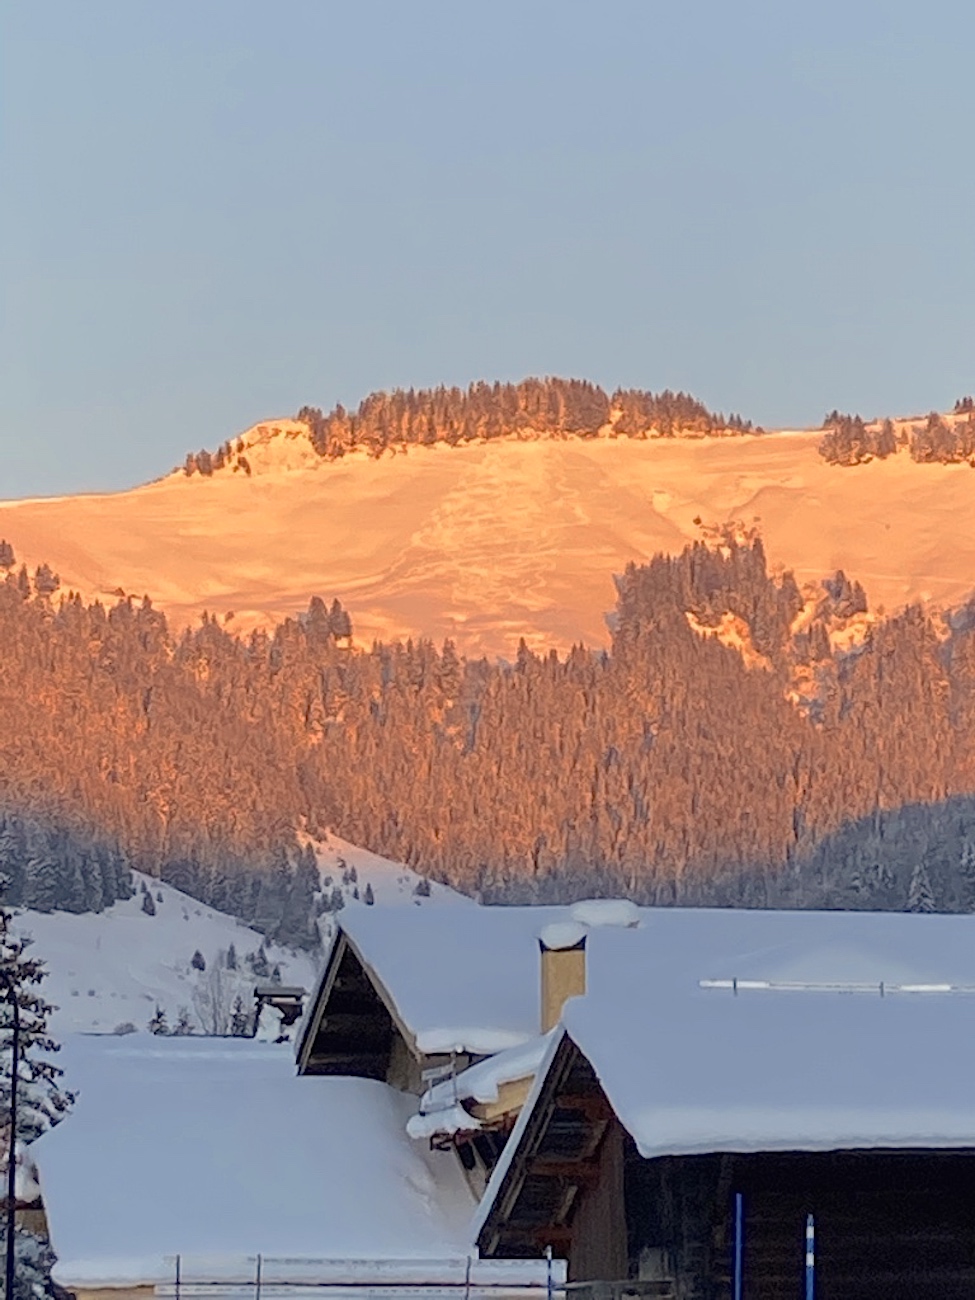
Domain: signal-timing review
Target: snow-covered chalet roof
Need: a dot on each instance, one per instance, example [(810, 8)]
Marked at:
[(468, 978), (213, 1149), (758, 1031), (461, 978)]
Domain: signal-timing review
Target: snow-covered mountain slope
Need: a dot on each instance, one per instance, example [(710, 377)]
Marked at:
[(115, 967), (392, 883), (491, 541)]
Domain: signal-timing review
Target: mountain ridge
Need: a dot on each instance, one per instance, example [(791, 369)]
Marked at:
[(489, 542)]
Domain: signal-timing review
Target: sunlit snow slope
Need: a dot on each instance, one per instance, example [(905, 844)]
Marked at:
[(488, 542)]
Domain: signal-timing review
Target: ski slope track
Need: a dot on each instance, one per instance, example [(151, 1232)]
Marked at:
[(488, 542)]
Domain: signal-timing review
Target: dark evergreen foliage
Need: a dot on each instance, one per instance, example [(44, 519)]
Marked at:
[(666, 768)]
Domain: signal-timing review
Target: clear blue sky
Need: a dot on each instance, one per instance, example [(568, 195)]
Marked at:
[(214, 211)]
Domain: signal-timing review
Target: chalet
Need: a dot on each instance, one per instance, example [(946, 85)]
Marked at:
[(659, 1098), (733, 1080), (453, 1007)]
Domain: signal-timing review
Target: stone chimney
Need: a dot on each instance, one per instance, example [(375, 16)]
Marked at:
[(563, 962)]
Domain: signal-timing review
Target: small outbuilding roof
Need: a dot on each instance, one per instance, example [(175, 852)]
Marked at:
[(214, 1148)]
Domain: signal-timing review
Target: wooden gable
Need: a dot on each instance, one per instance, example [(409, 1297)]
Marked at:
[(351, 1030), (564, 1186)]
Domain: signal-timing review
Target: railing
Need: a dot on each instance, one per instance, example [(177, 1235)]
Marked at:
[(262, 1277)]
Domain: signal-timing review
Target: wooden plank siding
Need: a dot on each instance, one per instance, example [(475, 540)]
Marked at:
[(890, 1225)]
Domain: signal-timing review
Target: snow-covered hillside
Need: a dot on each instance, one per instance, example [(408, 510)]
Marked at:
[(113, 968), (491, 541), (351, 869)]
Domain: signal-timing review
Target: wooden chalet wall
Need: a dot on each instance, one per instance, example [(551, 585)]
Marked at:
[(890, 1225)]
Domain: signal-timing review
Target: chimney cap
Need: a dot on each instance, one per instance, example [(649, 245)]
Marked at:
[(559, 935)]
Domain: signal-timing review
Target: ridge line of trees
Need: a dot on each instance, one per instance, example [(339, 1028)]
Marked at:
[(552, 407), (849, 441)]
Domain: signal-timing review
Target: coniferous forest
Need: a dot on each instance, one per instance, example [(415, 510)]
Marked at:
[(738, 742), (931, 440), (551, 407)]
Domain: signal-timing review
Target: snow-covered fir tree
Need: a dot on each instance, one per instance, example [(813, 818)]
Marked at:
[(966, 870), (920, 895), (42, 1101), (158, 1023), (184, 1023), (241, 1022)]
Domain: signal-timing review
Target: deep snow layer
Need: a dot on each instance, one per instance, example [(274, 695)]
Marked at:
[(214, 1148), (492, 541)]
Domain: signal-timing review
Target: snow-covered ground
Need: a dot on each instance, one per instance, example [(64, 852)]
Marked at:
[(393, 884), (115, 967), (492, 541), (110, 968)]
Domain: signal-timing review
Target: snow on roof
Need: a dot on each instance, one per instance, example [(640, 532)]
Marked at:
[(461, 978), (801, 1067), (691, 1069), (605, 911), (558, 935), (481, 1082), (213, 1147), (467, 978)]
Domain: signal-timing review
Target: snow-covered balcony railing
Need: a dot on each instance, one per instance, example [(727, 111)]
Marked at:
[(260, 1277), (881, 988)]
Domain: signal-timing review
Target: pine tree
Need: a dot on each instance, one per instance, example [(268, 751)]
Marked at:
[(7, 557), (184, 1023), (41, 1100), (920, 895), (231, 957), (148, 906), (158, 1023), (369, 897), (966, 870), (258, 963), (33, 1261), (198, 961), (240, 1021)]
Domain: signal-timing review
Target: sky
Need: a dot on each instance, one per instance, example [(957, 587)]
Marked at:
[(217, 211)]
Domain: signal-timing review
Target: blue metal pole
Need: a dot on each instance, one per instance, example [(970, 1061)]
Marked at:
[(739, 1243), (810, 1257)]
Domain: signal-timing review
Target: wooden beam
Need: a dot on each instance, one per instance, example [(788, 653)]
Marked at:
[(593, 1106), (556, 1235), (583, 1172)]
